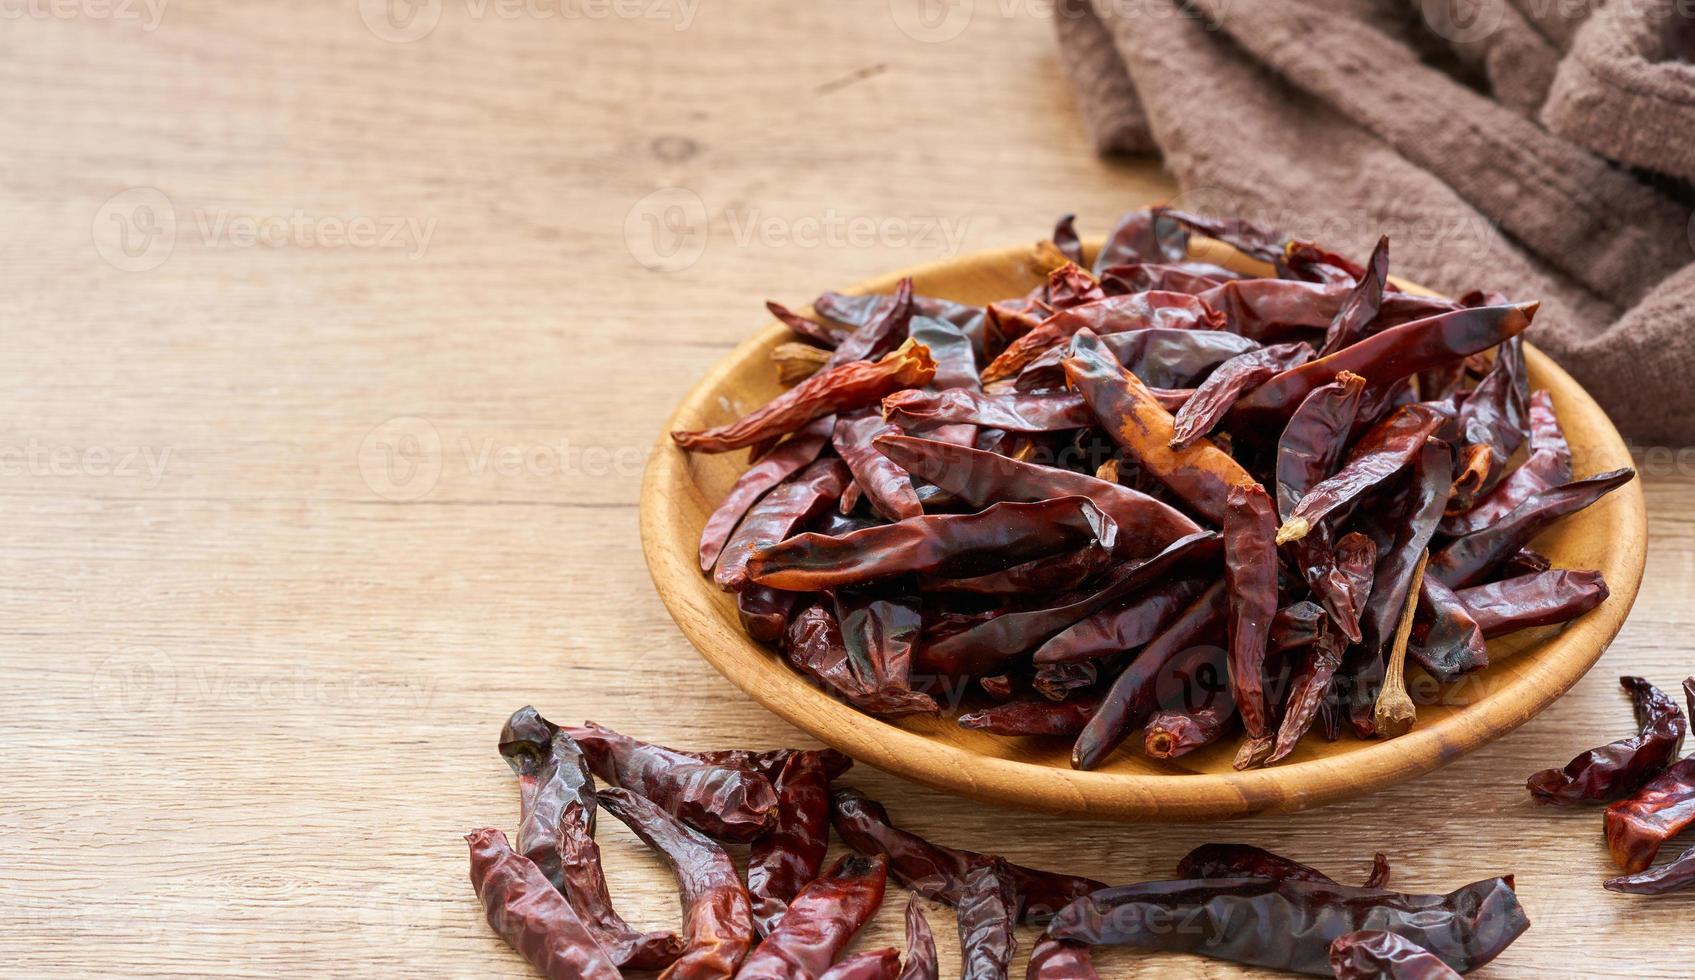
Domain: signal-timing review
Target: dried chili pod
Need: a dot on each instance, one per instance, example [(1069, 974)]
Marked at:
[(1637, 825), (1162, 357), (1135, 694), (1547, 466), (1362, 303), (531, 915), (1296, 626), (726, 802), (1289, 925), (1170, 277), (1313, 440), (764, 613), (855, 384), (1675, 875), (1538, 599), (1065, 238), (879, 632), (1143, 236), (1445, 640), (790, 854), (1017, 411), (821, 920), (1391, 354), (943, 544), (1409, 535), (878, 964), (1242, 373), (717, 916), (770, 762), (823, 334), (879, 334), (552, 773), (1049, 573), (921, 960), (1123, 627), (1145, 525), (1113, 314), (987, 912), (772, 469), (1248, 861), (1467, 560), (1201, 474), (939, 872), (1381, 453), (585, 888), (1343, 581), (1307, 691), (1250, 575), (1374, 954), (1204, 713), (792, 504), (1056, 959), (1033, 717), (1620, 768), (885, 485), (816, 646)]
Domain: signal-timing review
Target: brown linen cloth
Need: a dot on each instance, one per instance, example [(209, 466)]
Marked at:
[(1483, 136)]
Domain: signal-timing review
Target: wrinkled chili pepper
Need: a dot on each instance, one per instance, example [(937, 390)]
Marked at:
[(821, 920), (1201, 474), (783, 859), (726, 802), (1248, 861), (792, 504), (815, 645), (1032, 717), (921, 960), (1270, 309), (1538, 599), (878, 964), (885, 485), (1049, 573), (938, 872), (1308, 689), (1466, 560), (1289, 925), (1362, 304), (988, 913), (1250, 575), (1163, 357), (923, 411), (764, 613), (1171, 277), (879, 632), (776, 466), (943, 544), (586, 890), (1445, 640), (1123, 627), (1065, 238), (1314, 438), (1675, 875), (1374, 954), (1242, 373), (854, 384), (1381, 453), (878, 335), (770, 762), (1547, 466), (1056, 959), (531, 915), (717, 914), (1619, 768), (1143, 236), (1113, 314), (1493, 423), (1660, 810), (823, 334), (1205, 710)]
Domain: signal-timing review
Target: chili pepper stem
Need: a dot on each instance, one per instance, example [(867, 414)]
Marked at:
[(1294, 529), (1395, 713)]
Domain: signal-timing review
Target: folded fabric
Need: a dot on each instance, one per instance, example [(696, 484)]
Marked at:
[(1456, 127)]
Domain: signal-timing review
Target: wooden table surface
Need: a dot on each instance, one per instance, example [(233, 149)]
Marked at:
[(336, 336)]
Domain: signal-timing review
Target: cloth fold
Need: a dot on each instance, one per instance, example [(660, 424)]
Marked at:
[(1482, 136)]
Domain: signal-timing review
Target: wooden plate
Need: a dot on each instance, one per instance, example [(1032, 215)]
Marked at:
[(1526, 674)]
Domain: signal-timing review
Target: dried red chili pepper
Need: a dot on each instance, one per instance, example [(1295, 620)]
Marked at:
[(792, 504), (1242, 373), (772, 469), (1288, 924), (1055, 959), (854, 384), (1205, 710), (922, 411), (1445, 640), (1269, 309), (1374, 954), (987, 912), (921, 959), (1664, 806), (1065, 238), (726, 802), (1145, 525), (885, 485), (1143, 236), (943, 544), (938, 872), (717, 914), (1538, 599), (1201, 474), (531, 915), (1547, 466), (1250, 575), (1113, 314), (770, 762), (1381, 453), (823, 334), (585, 889), (1253, 240), (1171, 277), (1672, 876), (1162, 357), (1248, 861), (821, 921), (879, 964), (1307, 691), (1467, 560), (1123, 627), (1362, 304), (1049, 573), (1342, 581), (1410, 535), (815, 645), (1493, 423), (783, 859), (879, 334), (764, 613), (1032, 717), (1391, 354), (1314, 438), (1620, 768)]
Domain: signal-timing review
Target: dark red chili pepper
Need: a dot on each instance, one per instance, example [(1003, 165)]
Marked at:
[(858, 311), (854, 384), (764, 612), (885, 485), (1049, 573), (1162, 357), (1493, 422), (1538, 599), (717, 914), (879, 632), (1467, 560), (823, 334), (1113, 314), (792, 504), (1308, 689), (879, 964), (1343, 581), (1381, 453), (943, 544), (1201, 474), (815, 645), (1242, 373), (1445, 639), (1250, 575), (726, 802), (1266, 309), (770, 762), (531, 915), (1620, 768), (1362, 304), (790, 854), (773, 468), (1145, 525), (921, 411), (880, 334), (1289, 925), (1143, 236), (1248, 861), (1391, 354), (1136, 693), (821, 921), (1065, 238), (938, 872), (1122, 627), (1660, 810), (1171, 277), (988, 913), (1253, 240), (1063, 682), (585, 889), (1204, 710), (1296, 626), (1032, 717), (921, 960), (1675, 875), (1547, 466), (1411, 534), (1315, 437), (1055, 959), (1373, 954)]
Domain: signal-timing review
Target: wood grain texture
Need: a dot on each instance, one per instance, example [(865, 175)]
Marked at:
[(249, 698)]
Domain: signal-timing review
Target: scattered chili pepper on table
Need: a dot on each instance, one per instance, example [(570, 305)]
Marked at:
[(821, 921), (1373, 954), (1619, 768), (531, 915)]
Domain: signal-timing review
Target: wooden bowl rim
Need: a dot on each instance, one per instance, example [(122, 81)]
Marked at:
[(1562, 659)]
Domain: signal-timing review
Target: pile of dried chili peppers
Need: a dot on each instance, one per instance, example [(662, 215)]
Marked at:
[(1156, 495), (1650, 792), (792, 917)]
